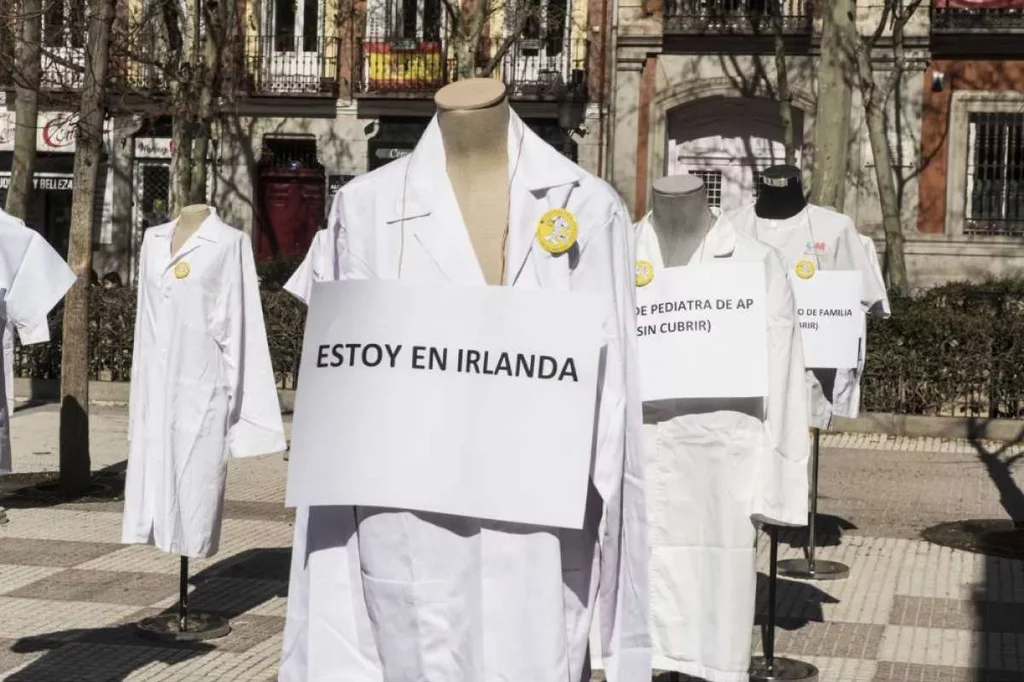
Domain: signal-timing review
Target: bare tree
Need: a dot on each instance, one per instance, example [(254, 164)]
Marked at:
[(26, 106), (782, 83), (875, 95), (468, 21), (74, 410), (835, 77)]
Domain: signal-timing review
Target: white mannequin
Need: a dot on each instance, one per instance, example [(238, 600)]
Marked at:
[(189, 220), (473, 116), (680, 217)]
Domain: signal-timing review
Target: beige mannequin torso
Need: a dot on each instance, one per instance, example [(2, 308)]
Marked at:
[(189, 220), (473, 116)]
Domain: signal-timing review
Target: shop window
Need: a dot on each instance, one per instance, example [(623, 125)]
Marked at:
[(712, 180), (994, 195)]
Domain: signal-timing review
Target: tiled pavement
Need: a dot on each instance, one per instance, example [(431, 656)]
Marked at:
[(910, 611)]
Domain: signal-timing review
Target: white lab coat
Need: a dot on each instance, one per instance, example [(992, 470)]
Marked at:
[(846, 396), (714, 469), (315, 267), (40, 334), (831, 240), (33, 278), (202, 383), (393, 595)]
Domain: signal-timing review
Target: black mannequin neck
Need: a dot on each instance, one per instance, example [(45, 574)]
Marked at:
[(781, 195)]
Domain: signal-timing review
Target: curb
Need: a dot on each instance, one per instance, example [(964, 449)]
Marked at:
[(104, 392), (116, 393)]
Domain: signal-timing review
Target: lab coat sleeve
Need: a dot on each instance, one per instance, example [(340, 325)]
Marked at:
[(850, 255), (782, 498), (618, 475), (134, 397), (40, 282), (301, 281), (255, 426)]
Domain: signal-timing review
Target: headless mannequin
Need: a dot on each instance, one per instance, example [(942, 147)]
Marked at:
[(189, 220), (473, 116), (782, 197), (680, 217)]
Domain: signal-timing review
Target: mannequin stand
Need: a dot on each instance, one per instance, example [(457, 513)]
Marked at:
[(810, 568), (183, 626), (768, 668)]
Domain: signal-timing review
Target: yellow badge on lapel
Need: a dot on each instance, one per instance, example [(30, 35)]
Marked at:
[(182, 269), (644, 273), (557, 230), (805, 269)]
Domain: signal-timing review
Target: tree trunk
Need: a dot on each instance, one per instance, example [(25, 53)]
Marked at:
[(895, 265), (181, 165), (74, 375), (782, 80), (26, 107), (831, 134)]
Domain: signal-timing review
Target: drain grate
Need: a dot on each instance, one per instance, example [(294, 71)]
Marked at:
[(992, 537)]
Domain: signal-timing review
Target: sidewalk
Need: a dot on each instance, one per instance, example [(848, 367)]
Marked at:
[(910, 611)]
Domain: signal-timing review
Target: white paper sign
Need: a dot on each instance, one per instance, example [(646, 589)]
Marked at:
[(472, 401), (702, 332), (829, 309)]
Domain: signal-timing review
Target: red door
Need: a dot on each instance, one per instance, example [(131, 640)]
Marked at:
[(293, 211)]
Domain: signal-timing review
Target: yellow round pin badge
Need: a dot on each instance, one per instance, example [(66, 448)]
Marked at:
[(644, 273), (182, 269), (805, 269), (557, 230)]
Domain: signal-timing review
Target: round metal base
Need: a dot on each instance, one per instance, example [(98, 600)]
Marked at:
[(784, 669), (200, 626), (823, 570), (992, 537)]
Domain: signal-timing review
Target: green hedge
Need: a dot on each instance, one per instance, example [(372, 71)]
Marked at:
[(955, 350)]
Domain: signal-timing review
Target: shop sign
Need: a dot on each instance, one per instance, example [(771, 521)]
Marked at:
[(153, 147), (336, 182), (46, 183), (6, 131), (58, 132)]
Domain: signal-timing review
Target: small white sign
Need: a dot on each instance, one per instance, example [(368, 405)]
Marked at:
[(831, 319), (703, 332), (472, 401)]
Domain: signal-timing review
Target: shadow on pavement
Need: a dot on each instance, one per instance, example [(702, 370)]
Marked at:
[(829, 532), (42, 490), (231, 588)]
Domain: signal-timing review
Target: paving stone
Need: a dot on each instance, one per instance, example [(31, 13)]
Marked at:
[(888, 671), (108, 587), (38, 552)]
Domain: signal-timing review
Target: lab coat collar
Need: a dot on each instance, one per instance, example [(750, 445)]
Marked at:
[(539, 179), (719, 242), (208, 232)]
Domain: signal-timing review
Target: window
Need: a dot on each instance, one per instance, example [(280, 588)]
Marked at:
[(296, 25), (994, 197), (64, 23), (418, 20), (712, 186)]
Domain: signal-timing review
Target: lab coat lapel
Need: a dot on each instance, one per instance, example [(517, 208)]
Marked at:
[(206, 234), (430, 212), (542, 179)]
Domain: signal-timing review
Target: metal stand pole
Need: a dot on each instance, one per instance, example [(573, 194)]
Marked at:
[(810, 568), (768, 668), (183, 626)]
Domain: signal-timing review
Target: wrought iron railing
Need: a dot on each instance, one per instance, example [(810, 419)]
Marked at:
[(292, 65), (531, 69), (995, 174), (958, 17), (738, 17)]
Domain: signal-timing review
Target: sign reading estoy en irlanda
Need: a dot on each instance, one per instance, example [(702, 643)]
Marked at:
[(471, 401), (828, 306), (703, 333)]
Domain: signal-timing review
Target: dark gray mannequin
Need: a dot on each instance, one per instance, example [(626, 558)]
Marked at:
[(680, 217)]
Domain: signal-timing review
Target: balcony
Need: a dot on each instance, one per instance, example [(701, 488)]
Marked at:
[(717, 25), (977, 28), (290, 65), (532, 70)]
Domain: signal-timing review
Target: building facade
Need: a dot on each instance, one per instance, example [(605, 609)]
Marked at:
[(696, 92), (325, 90)]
